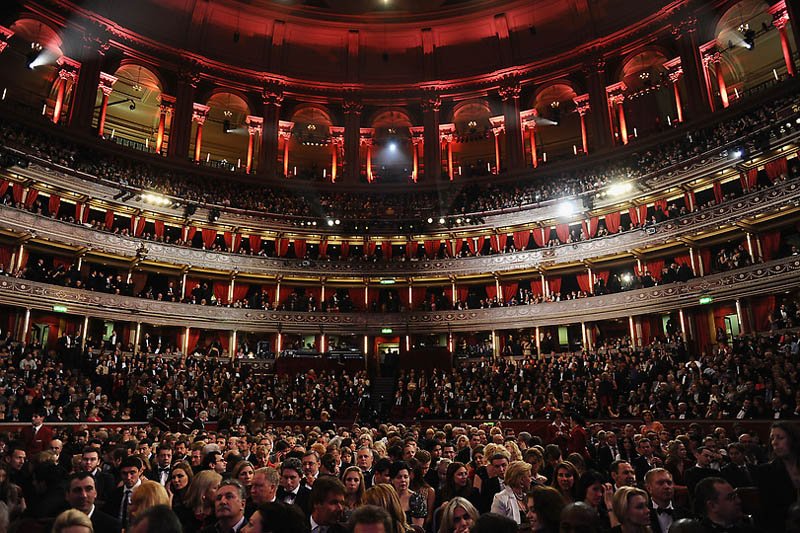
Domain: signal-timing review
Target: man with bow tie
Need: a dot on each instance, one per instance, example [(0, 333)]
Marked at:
[(291, 490), (659, 485), (163, 464)]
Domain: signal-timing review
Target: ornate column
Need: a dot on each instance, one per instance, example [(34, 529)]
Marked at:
[(685, 34), (714, 58), (417, 133), (496, 131), (780, 18), (181, 127), (67, 74), (447, 135), (199, 115), (582, 107), (509, 93), (352, 140), (5, 35), (285, 133), (107, 82), (166, 107), (675, 72), (616, 100), (367, 141), (254, 127), (793, 11), (600, 119), (92, 53), (432, 155), (272, 98), (337, 143)]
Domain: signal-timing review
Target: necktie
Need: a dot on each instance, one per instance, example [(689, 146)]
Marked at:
[(662, 510), (123, 514)]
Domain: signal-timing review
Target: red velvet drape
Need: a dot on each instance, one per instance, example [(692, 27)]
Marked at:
[(3, 187), (209, 236), (655, 266), (462, 293), (555, 284), (509, 291), (194, 337), (418, 295), (612, 222), (255, 243), (705, 256), (16, 193), (240, 290), (663, 205), (774, 169), (476, 244), (139, 229), (718, 192), (357, 297), (345, 250), (412, 247), (431, 247), (684, 259), (371, 248), (494, 242), (491, 291), (762, 309), (562, 232), (521, 239), (190, 285), (583, 282), (5, 258), (540, 236), (634, 214), (159, 228), (323, 248), (281, 247), (52, 204), (386, 249), (33, 194), (109, 222), (221, 291), (458, 246), (749, 179), (590, 227), (191, 231), (300, 248), (770, 244), (536, 287), (227, 238)]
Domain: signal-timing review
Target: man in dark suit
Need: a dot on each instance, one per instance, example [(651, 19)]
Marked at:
[(119, 500), (37, 436), (659, 485), (737, 472), (82, 494), (327, 505), (104, 482), (229, 503), (720, 507), (701, 470), (291, 491), (645, 460), (607, 453), (496, 468)]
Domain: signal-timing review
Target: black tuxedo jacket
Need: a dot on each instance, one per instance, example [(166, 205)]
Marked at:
[(695, 474), (302, 500), (105, 522), (677, 514), (737, 476), (104, 484)]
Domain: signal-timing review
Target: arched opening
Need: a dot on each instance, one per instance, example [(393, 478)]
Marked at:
[(649, 98), (225, 135), (132, 112), (310, 144), (558, 127), (390, 154), (473, 150)]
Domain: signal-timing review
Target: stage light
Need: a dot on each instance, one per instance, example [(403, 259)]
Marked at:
[(337, 221), (430, 220), (392, 146), (441, 220), (737, 153), (618, 189), (566, 209), (330, 222)]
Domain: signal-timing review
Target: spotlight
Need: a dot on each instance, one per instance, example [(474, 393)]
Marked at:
[(330, 222), (618, 189), (566, 209), (226, 126), (214, 215), (392, 146), (458, 220), (441, 220), (749, 39), (337, 221), (737, 153), (430, 220)]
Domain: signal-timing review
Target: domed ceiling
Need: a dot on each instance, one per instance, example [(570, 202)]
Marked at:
[(361, 7)]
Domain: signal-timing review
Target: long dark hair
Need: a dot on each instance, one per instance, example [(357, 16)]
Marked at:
[(793, 433)]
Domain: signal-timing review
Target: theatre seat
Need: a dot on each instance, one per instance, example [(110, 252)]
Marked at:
[(751, 500), (681, 497)]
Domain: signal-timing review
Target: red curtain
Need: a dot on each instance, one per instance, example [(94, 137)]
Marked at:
[(762, 309), (194, 337), (255, 243), (705, 256), (634, 214), (555, 284), (357, 297), (281, 247), (562, 232), (31, 198), (191, 231), (371, 248), (718, 192), (300, 248), (209, 236), (159, 227), (540, 236), (770, 244), (16, 193), (52, 205), (459, 245), (509, 291), (5, 258), (412, 247), (749, 179), (476, 244), (109, 219), (689, 201), (133, 224), (323, 248), (237, 242), (655, 266), (386, 249), (240, 290), (590, 227), (431, 248), (462, 293), (494, 242), (221, 291), (345, 250), (684, 259), (612, 222), (774, 169), (139, 227), (491, 291), (663, 205), (3, 187), (190, 285), (418, 295), (521, 239), (227, 238), (583, 282), (536, 287)]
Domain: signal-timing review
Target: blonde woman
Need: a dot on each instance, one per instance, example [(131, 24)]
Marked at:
[(72, 521), (631, 511), (145, 496), (512, 501), (383, 495), (198, 510)]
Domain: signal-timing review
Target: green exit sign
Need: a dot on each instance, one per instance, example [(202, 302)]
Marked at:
[(386, 330), (705, 300), (60, 308)]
